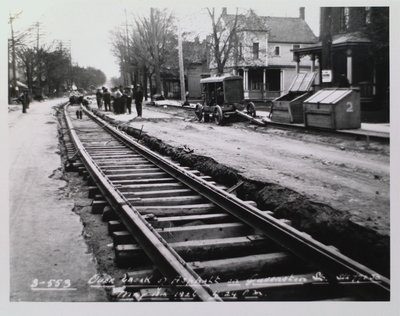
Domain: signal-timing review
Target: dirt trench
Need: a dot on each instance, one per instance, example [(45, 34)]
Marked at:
[(324, 223)]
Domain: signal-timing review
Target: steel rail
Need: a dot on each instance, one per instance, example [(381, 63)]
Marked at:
[(304, 246), (164, 257)]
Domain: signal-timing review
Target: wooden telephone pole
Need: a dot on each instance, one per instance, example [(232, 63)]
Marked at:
[(13, 54)]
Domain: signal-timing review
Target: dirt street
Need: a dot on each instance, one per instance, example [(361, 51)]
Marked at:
[(49, 260), (338, 172)]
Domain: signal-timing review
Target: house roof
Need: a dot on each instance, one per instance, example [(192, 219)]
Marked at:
[(338, 40), (289, 30), (280, 29)]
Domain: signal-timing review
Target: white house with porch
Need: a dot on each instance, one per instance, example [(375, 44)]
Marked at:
[(263, 54)]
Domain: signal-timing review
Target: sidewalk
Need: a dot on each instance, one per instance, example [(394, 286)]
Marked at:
[(381, 130), (46, 242)]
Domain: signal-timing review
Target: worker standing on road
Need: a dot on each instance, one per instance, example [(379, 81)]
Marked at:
[(99, 97), (107, 99), (129, 94), (118, 102), (139, 100), (24, 99), (124, 100)]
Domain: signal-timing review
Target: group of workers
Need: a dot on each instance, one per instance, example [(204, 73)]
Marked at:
[(119, 100)]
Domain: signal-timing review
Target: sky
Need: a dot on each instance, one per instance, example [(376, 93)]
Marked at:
[(86, 24)]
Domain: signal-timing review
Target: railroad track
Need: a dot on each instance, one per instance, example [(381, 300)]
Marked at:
[(192, 239)]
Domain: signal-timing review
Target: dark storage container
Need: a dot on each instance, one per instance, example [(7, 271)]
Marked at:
[(333, 108), (289, 107)]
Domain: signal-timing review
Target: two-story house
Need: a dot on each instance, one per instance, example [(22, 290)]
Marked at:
[(263, 53)]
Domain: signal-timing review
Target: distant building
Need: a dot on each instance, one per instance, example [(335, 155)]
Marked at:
[(263, 53), (195, 68), (354, 41)]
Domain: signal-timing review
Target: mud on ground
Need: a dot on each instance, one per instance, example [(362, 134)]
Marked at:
[(323, 222), (94, 229)]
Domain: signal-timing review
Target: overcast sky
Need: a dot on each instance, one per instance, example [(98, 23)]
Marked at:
[(86, 24)]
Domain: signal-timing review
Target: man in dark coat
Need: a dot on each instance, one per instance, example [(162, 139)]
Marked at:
[(129, 94), (139, 100), (118, 102), (99, 97), (24, 99), (107, 100)]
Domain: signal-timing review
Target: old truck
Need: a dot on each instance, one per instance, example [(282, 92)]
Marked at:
[(223, 97)]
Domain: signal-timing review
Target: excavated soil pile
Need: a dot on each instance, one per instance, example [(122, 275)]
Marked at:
[(324, 223)]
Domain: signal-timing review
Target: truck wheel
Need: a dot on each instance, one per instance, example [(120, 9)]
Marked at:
[(199, 112), (251, 109), (218, 115), (206, 117)]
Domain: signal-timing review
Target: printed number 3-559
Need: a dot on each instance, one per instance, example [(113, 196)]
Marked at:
[(52, 283), (59, 283)]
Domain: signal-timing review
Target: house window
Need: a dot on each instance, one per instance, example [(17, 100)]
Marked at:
[(240, 50), (344, 19), (256, 48), (276, 50), (294, 47)]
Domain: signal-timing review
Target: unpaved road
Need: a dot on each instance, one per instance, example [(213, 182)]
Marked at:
[(49, 259), (342, 173)]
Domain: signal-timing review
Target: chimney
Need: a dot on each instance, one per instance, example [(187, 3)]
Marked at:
[(224, 11), (302, 13)]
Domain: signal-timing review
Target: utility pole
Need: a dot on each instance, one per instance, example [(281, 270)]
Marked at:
[(39, 57), (181, 69), (155, 30), (326, 40), (14, 71)]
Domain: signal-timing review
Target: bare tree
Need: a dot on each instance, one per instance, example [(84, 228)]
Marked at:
[(119, 49), (26, 58), (156, 36), (223, 37)]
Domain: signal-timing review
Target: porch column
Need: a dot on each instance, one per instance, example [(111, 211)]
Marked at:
[(264, 86), (349, 65), (297, 60), (246, 83), (312, 63), (245, 79)]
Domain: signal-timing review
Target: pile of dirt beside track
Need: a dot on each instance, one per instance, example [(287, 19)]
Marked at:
[(322, 222)]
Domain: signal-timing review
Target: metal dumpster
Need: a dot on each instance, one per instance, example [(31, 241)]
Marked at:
[(289, 107), (333, 108)]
